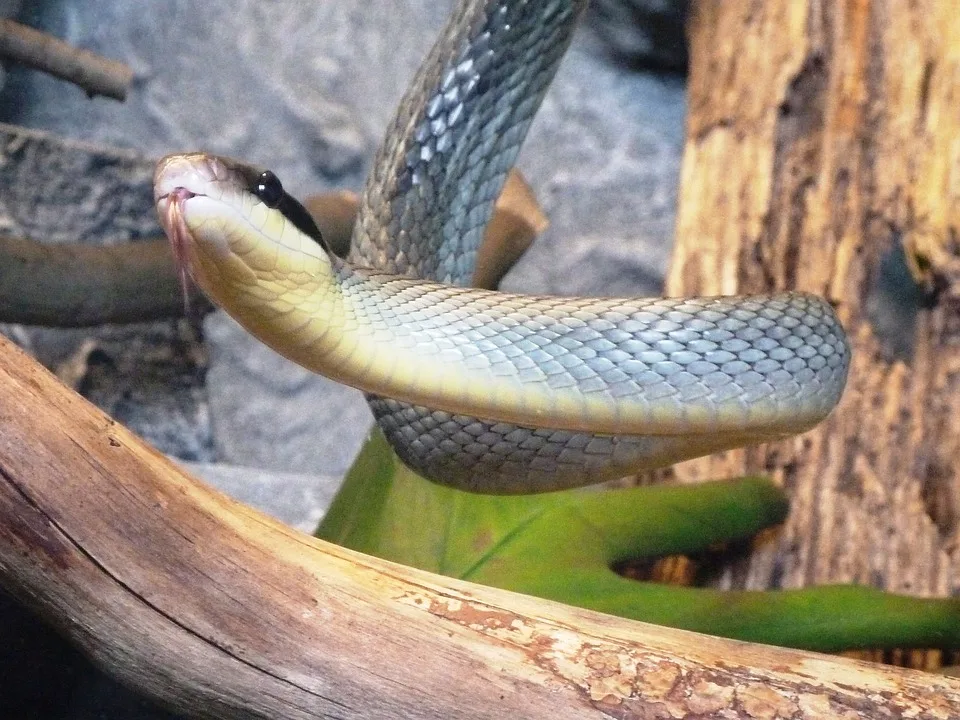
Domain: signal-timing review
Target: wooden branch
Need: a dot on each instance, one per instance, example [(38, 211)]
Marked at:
[(79, 285), (517, 220), (94, 74), (823, 149), (220, 611)]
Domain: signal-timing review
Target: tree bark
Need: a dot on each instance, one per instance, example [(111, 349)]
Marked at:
[(823, 154), (222, 612)]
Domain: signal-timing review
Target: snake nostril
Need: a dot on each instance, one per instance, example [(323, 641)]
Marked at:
[(180, 193)]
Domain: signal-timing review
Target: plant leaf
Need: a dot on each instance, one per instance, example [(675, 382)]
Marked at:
[(562, 545)]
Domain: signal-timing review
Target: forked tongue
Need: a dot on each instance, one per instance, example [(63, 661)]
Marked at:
[(179, 236)]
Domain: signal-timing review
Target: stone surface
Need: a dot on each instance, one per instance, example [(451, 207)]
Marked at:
[(149, 376), (306, 89), (644, 33), (297, 500), (59, 190), (270, 413)]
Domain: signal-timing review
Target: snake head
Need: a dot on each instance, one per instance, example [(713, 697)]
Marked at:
[(231, 226), (177, 180)]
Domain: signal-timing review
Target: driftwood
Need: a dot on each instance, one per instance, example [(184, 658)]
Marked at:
[(823, 152), (218, 610)]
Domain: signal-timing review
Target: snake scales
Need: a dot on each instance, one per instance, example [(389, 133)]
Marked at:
[(488, 391)]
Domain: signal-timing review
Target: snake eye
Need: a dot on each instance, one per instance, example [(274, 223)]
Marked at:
[(268, 189), (270, 192)]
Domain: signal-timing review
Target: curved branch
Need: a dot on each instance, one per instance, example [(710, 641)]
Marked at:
[(222, 612)]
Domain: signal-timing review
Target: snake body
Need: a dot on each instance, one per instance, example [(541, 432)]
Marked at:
[(482, 390)]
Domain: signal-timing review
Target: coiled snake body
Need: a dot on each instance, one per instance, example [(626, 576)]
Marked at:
[(488, 391)]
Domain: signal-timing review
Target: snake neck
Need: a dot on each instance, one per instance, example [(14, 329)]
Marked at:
[(456, 133), (291, 301)]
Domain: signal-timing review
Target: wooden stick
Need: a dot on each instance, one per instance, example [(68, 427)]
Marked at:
[(94, 74), (219, 611), (79, 285)]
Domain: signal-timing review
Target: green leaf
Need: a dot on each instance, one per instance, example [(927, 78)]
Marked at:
[(562, 545)]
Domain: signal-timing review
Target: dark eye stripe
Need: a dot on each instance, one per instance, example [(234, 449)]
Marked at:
[(297, 214), (269, 190)]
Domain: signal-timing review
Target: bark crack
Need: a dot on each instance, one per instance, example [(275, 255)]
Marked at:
[(78, 547)]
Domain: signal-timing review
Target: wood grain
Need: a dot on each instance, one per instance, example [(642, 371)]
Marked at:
[(823, 154), (219, 611)]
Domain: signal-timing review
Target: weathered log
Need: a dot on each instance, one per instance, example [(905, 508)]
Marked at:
[(823, 151), (222, 612)]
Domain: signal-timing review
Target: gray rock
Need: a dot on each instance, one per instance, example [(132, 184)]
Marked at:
[(297, 500), (148, 376), (604, 157), (58, 190), (270, 413)]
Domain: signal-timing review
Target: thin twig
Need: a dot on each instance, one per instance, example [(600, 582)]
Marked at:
[(95, 74)]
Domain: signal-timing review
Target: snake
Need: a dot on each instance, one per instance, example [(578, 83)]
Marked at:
[(481, 390)]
